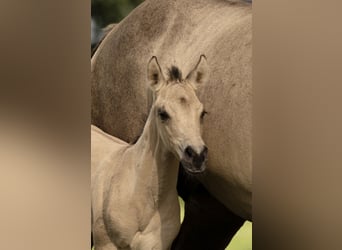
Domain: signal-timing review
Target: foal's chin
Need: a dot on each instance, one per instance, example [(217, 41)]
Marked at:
[(191, 169)]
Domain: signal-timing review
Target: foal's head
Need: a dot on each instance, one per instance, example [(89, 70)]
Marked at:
[(178, 113)]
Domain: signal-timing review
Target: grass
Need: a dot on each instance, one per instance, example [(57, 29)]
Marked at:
[(242, 239)]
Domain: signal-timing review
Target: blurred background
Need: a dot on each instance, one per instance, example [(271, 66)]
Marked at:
[(105, 12)]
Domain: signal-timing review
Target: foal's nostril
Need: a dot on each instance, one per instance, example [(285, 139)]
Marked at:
[(204, 152), (189, 152)]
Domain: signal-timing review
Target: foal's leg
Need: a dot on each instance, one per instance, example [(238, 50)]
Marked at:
[(143, 241), (108, 246), (207, 224)]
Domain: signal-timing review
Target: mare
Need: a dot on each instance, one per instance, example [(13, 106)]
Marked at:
[(134, 196)]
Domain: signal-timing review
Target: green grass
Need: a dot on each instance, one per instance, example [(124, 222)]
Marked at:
[(243, 238), (241, 241)]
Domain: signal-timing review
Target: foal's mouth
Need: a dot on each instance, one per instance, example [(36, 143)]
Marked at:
[(191, 169)]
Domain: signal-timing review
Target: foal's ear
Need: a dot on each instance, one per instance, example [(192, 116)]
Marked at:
[(154, 74), (199, 74)]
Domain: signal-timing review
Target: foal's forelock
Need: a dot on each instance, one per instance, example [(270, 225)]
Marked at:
[(175, 75)]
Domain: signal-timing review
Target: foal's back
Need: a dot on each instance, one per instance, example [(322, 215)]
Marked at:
[(102, 144)]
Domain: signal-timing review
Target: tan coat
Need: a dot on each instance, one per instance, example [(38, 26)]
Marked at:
[(126, 210)]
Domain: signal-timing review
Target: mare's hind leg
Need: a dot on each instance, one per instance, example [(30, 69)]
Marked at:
[(207, 224)]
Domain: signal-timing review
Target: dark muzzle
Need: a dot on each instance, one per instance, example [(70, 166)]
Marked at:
[(194, 162)]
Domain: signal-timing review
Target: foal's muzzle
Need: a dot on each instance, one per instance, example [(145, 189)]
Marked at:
[(193, 161)]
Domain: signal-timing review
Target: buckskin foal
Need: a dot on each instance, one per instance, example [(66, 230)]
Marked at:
[(134, 197)]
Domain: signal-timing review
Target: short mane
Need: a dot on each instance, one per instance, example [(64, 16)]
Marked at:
[(175, 74)]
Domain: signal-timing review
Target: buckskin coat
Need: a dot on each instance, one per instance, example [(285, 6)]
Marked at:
[(177, 32)]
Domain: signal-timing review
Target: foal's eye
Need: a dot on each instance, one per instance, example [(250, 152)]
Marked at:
[(203, 114), (163, 115)]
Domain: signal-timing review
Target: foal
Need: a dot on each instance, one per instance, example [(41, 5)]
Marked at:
[(134, 197)]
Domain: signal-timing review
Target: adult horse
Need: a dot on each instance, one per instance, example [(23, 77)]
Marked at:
[(177, 32)]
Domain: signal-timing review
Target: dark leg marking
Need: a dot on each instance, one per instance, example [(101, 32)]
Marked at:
[(207, 224)]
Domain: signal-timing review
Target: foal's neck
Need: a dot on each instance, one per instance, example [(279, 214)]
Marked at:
[(156, 163)]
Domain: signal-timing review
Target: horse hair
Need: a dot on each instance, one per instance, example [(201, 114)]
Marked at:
[(175, 74)]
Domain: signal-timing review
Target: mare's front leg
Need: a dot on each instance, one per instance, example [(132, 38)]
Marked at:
[(207, 224)]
